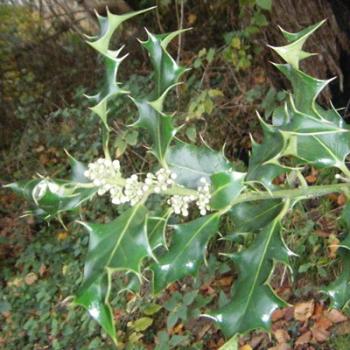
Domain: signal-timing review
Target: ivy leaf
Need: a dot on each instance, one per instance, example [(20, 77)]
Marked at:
[(253, 299), (227, 186), (264, 4), (186, 252), (190, 163)]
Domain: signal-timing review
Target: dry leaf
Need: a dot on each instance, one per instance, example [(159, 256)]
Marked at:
[(318, 311), (283, 346), (191, 18), (342, 328), (303, 311), (42, 270), (246, 347), (256, 340), (177, 329), (319, 334), (341, 200), (303, 339), (224, 281), (335, 316), (281, 336), (323, 323), (333, 245), (289, 313), (61, 236), (278, 314), (31, 278)]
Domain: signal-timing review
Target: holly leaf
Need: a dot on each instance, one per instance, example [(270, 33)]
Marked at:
[(186, 252), (109, 244), (190, 163), (156, 227), (159, 126), (253, 299), (95, 300), (253, 216), (166, 71), (50, 197), (264, 164), (339, 290), (293, 52), (226, 187), (166, 75), (112, 59), (108, 251)]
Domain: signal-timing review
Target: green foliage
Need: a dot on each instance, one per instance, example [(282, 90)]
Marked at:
[(141, 241)]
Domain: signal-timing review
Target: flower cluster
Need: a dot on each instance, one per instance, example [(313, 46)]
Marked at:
[(102, 172), (203, 198), (105, 174), (180, 204)]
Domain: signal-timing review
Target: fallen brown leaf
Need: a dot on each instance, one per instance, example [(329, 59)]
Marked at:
[(335, 316), (341, 200), (224, 281), (177, 329), (342, 328), (256, 340), (246, 347), (319, 335), (303, 339), (318, 311), (303, 311), (31, 278), (289, 313), (333, 245), (323, 323), (277, 315), (281, 336), (283, 346)]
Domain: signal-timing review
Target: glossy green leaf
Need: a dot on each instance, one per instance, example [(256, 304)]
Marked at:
[(293, 53), (190, 163), (253, 299), (166, 71), (108, 251), (156, 227), (226, 187), (112, 60), (95, 300), (339, 290), (50, 197), (264, 4), (109, 244), (159, 127), (264, 164), (186, 251), (231, 344), (253, 216)]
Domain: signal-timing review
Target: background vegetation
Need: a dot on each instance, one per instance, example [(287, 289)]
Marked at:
[(45, 67)]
